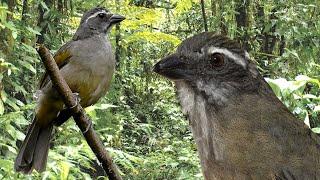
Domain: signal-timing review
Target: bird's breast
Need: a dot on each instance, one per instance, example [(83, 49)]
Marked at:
[(94, 54), (90, 69)]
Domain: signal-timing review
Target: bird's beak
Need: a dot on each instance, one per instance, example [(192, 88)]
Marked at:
[(172, 67), (116, 18)]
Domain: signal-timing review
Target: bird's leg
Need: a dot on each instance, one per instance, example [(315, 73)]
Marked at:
[(65, 113), (77, 98), (88, 127)]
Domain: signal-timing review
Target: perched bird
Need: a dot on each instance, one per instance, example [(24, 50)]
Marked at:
[(87, 64), (242, 130)]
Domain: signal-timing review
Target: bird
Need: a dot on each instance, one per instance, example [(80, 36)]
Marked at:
[(241, 129), (87, 64)]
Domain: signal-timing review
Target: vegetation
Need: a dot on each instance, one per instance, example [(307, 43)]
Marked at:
[(140, 120)]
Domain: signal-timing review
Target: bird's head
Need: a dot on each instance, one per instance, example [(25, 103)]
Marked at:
[(97, 20), (211, 64)]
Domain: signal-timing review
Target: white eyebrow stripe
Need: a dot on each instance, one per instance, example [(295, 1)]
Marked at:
[(236, 58), (95, 14)]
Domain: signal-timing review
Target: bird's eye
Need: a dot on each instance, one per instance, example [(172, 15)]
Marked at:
[(101, 15), (216, 60)]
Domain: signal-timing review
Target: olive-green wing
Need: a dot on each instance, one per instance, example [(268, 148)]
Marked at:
[(62, 57)]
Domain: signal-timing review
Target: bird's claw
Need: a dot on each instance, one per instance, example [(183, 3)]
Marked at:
[(77, 98), (88, 127)]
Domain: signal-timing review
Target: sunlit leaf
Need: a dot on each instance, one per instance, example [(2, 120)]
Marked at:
[(65, 168), (316, 130), (306, 119), (183, 6), (5, 163), (33, 31), (1, 107), (154, 37)]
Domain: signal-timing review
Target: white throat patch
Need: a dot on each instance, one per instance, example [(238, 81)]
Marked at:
[(205, 128), (95, 14), (235, 57)]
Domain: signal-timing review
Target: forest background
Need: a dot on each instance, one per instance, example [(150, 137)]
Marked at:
[(140, 120)]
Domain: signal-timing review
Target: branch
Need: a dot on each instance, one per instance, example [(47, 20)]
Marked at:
[(81, 119)]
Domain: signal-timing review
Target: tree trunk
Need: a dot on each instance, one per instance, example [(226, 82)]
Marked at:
[(282, 45), (11, 5), (6, 39), (117, 49), (60, 6), (71, 5), (168, 18), (24, 18), (260, 16), (213, 8), (65, 6), (204, 16), (242, 22), (272, 37), (223, 26)]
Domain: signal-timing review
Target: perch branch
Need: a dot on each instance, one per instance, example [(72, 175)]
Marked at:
[(81, 119)]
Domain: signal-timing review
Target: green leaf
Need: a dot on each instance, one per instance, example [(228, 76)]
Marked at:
[(182, 7), (28, 66), (14, 34), (29, 49), (1, 107), (316, 130), (65, 168), (306, 119), (154, 37), (275, 86), (11, 149), (12, 104), (310, 96), (10, 26), (33, 31), (43, 4), (105, 106), (6, 164)]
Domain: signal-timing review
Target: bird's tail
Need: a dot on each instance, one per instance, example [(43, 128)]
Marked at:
[(34, 150)]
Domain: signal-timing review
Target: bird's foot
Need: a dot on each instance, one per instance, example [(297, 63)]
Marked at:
[(77, 98), (66, 112), (88, 127)]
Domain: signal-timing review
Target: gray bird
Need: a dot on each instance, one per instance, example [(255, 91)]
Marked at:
[(241, 129), (87, 64)]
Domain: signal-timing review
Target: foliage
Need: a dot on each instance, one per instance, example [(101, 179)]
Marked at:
[(140, 120), (301, 96)]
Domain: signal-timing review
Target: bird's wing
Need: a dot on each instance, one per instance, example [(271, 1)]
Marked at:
[(62, 57)]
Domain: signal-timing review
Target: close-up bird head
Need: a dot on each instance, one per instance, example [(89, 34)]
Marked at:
[(97, 20), (210, 63)]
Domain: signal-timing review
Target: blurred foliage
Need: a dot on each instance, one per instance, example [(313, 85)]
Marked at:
[(140, 120)]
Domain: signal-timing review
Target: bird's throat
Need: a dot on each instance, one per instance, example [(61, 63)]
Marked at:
[(205, 126)]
